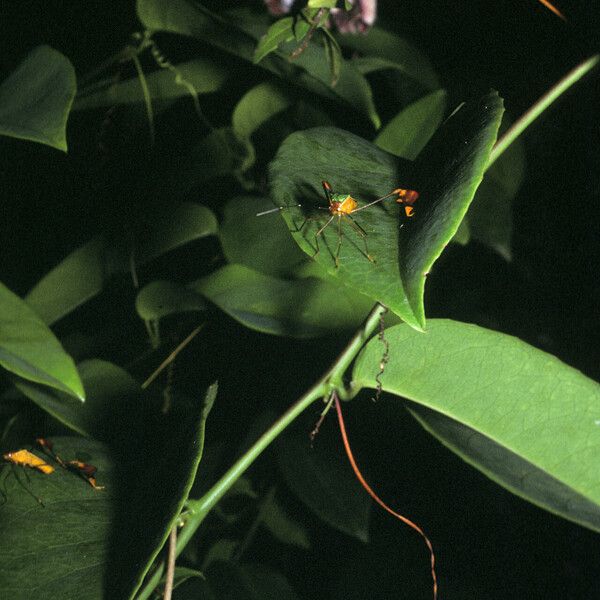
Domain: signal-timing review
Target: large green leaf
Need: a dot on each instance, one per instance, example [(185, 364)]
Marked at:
[(239, 37), (160, 299), (98, 544), (410, 130), (111, 395), (303, 308), (255, 108), (36, 98), (521, 416), (30, 350), (204, 75), (490, 215), (84, 273), (446, 175)]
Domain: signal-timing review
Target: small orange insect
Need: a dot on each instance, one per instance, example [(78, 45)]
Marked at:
[(24, 458), (82, 469), (343, 206)]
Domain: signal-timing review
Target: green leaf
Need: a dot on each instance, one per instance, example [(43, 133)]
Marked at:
[(111, 395), (36, 98), (354, 166), (333, 53), (391, 51), (321, 477), (30, 350), (410, 130), (280, 31), (283, 527), (261, 243), (97, 544), (322, 3), (202, 74), (305, 308), (447, 174), (238, 37), (490, 215), (159, 299), (85, 272), (520, 415), (254, 109)]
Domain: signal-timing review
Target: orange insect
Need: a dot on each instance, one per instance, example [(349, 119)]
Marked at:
[(343, 206), (24, 458), (82, 469)]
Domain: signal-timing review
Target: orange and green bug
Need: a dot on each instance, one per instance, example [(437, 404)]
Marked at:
[(343, 206)]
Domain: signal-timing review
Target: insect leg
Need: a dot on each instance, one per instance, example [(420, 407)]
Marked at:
[(363, 234), (320, 232)]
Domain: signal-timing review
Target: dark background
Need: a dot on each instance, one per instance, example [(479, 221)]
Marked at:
[(489, 543)]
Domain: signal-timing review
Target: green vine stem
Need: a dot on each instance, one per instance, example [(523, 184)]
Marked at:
[(553, 94), (333, 379)]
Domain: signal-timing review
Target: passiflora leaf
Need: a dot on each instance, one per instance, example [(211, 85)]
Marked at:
[(111, 395), (30, 350), (401, 251), (97, 544), (35, 100), (303, 308), (520, 415)]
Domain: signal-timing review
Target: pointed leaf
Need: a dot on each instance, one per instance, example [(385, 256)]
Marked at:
[(30, 350), (304, 308), (446, 175), (354, 166), (111, 395), (521, 416), (97, 544), (164, 85), (280, 31), (448, 172), (410, 130), (159, 299), (36, 98), (84, 273)]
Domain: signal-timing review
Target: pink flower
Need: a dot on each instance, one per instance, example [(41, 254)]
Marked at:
[(356, 20), (279, 7)]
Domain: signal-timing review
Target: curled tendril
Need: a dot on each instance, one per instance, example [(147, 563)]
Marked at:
[(384, 358)]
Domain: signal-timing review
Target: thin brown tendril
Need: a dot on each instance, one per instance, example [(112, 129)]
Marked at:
[(386, 355)]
